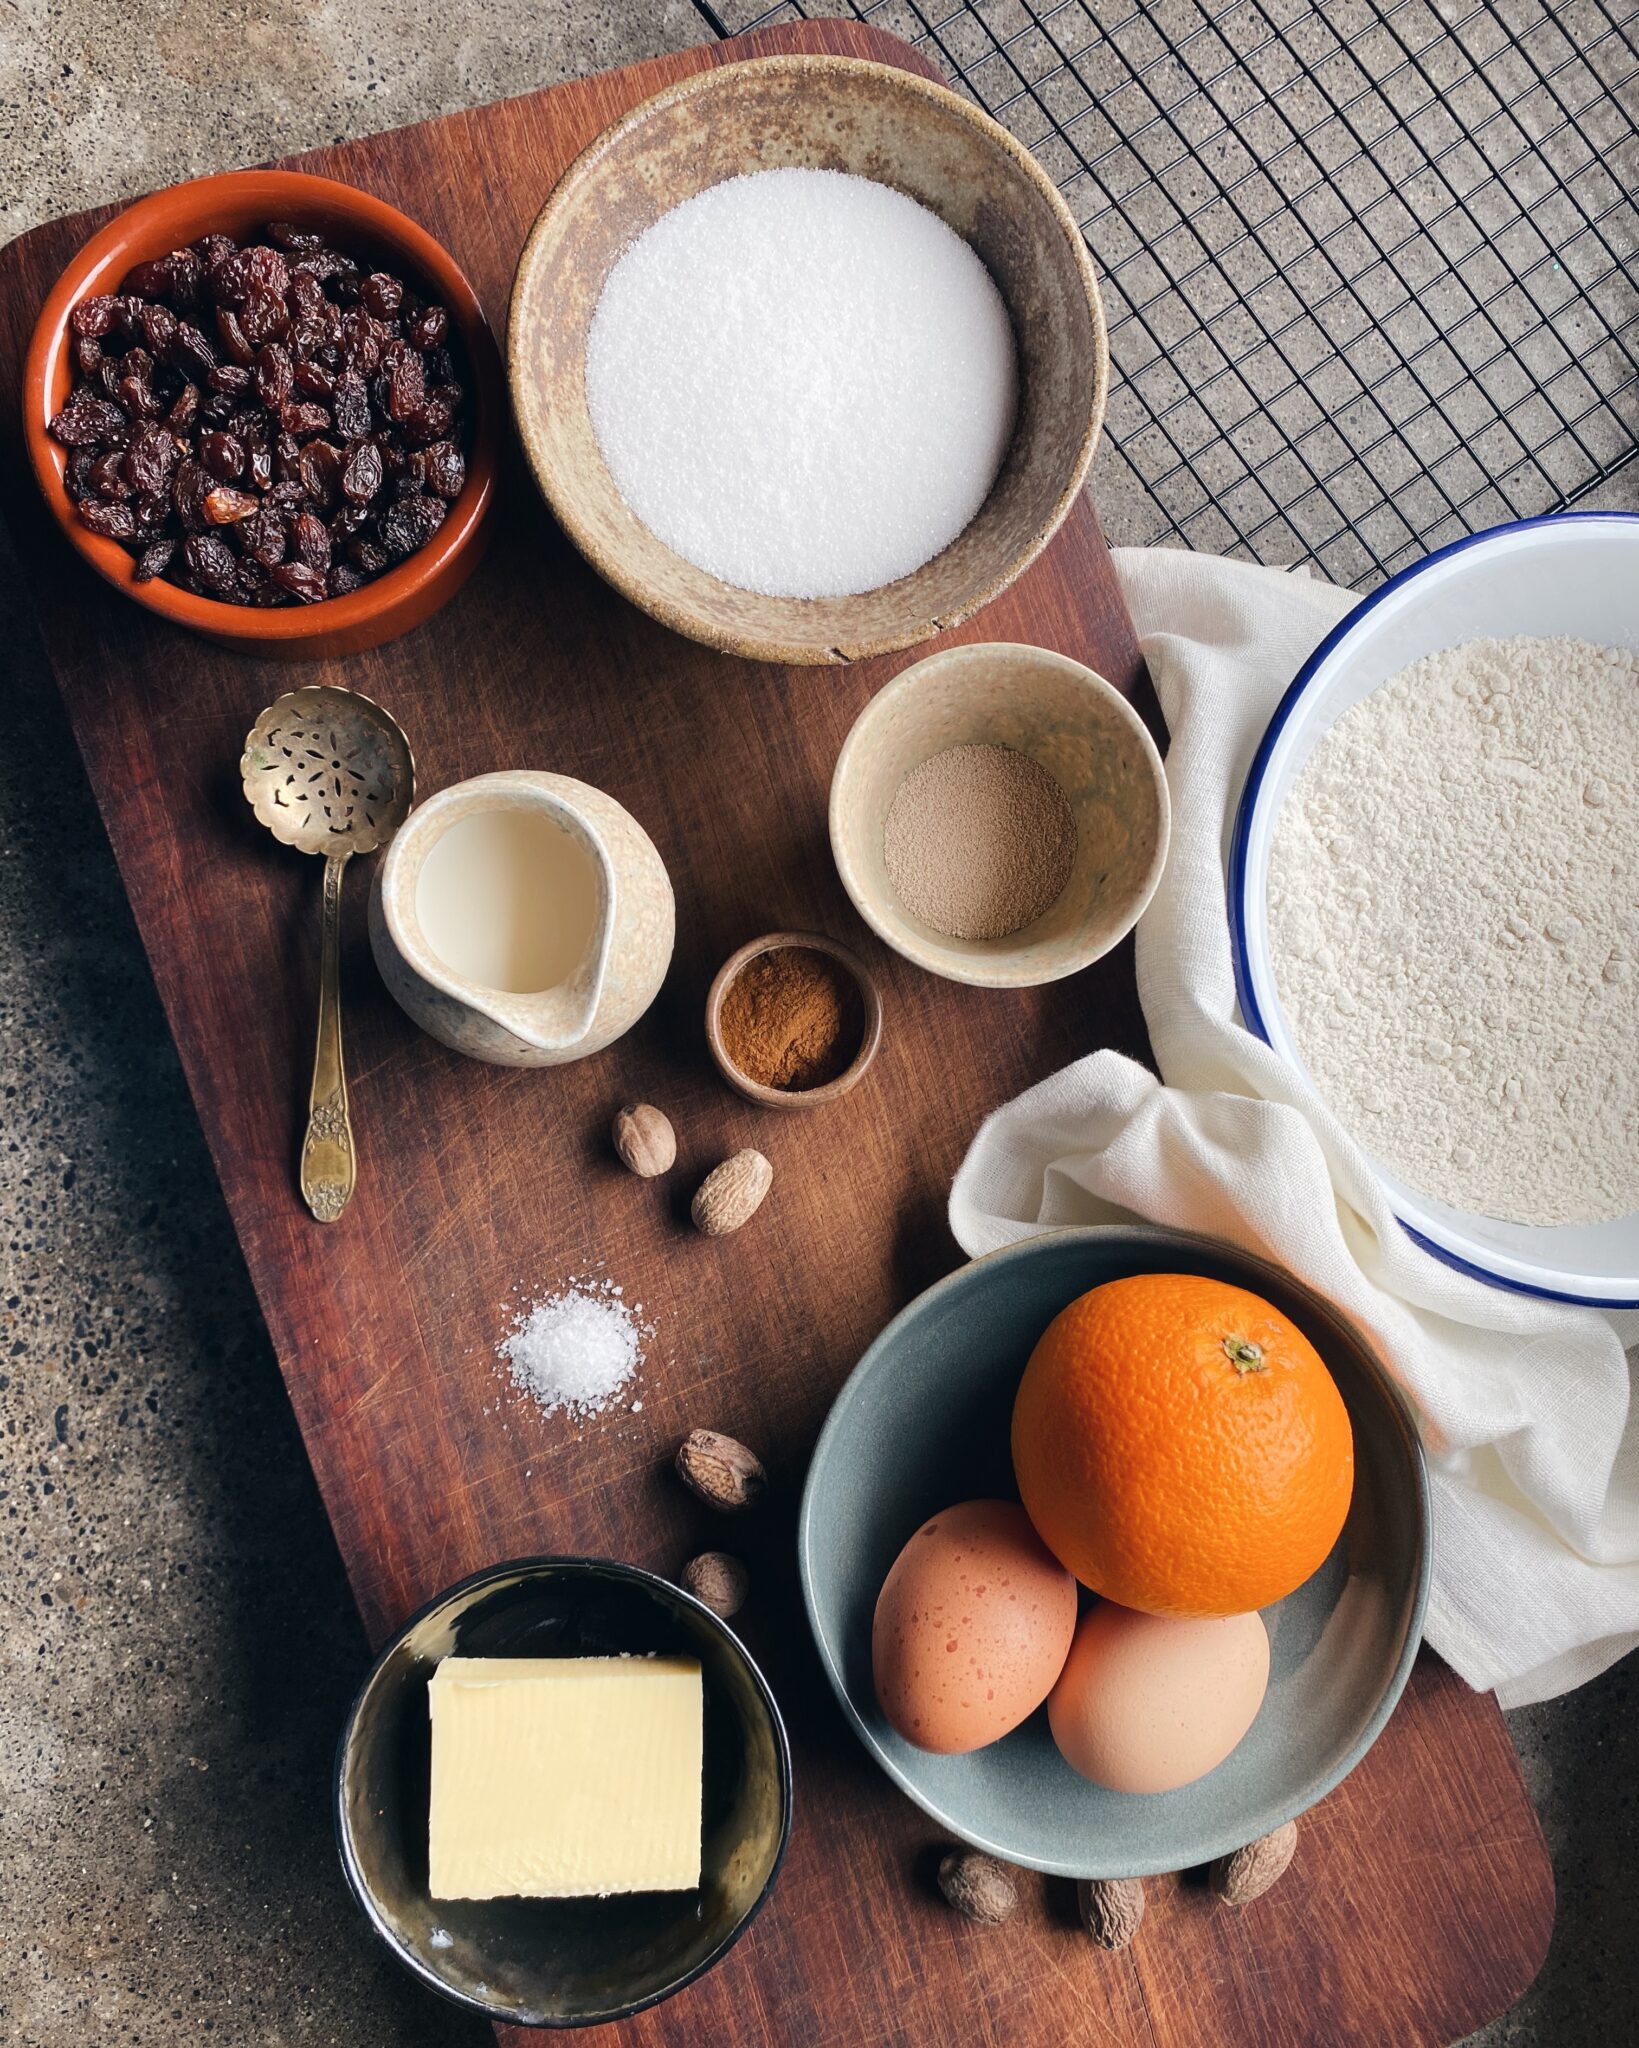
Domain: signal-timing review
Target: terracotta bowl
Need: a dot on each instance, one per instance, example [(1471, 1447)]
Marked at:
[(363, 226), (870, 1036), (1089, 739), (830, 113)]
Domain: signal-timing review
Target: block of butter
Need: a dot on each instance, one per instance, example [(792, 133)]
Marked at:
[(560, 1777)]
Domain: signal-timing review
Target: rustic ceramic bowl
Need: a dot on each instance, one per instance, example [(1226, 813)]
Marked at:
[(1081, 730), (832, 113), (561, 1962), (924, 1422), (364, 226), (870, 1032)]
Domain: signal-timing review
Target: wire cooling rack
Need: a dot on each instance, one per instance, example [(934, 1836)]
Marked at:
[(1371, 267)]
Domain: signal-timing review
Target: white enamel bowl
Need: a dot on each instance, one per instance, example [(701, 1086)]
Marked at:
[(1575, 574)]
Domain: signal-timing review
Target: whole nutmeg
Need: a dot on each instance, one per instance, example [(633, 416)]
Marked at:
[(731, 1194), (1111, 1908), (717, 1581), (644, 1140), (978, 1886), (722, 1472), (1249, 1873)]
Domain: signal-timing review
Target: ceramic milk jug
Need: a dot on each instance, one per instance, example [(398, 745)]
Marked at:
[(522, 918)]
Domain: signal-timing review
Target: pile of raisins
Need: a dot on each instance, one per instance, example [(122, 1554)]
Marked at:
[(269, 424)]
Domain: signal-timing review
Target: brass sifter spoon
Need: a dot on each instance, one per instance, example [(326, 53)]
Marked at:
[(328, 772)]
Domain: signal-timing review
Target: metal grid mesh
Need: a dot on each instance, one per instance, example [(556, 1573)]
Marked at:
[(1371, 267)]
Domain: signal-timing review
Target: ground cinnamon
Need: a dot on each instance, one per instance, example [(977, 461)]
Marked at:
[(792, 1018)]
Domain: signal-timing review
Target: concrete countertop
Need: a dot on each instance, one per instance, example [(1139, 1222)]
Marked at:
[(177, 1645)]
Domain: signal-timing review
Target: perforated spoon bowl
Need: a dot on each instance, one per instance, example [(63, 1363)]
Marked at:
[(328, 772)]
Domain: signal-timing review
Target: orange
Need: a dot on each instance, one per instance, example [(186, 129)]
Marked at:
[(1180, 1446)]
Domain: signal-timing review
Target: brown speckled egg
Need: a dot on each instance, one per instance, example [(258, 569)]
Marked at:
[(973, 1625)]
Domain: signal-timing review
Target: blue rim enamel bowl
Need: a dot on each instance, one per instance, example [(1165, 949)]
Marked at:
[(923, 1422), (1573, 573)]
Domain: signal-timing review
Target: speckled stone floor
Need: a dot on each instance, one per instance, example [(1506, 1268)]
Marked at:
[(176, 1640)]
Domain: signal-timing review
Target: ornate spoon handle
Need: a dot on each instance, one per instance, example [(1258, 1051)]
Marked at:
[(328, 1166)]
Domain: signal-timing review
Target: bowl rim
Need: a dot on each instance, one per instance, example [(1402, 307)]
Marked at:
[(720, 77), (1516, 1275), (572, 1565), (990, 971), (870, 1036), (1400, 1419), (297, 191)]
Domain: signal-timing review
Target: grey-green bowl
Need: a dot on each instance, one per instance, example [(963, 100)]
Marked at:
[(923, 1422)]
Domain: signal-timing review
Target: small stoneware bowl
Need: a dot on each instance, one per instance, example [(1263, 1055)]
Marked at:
[(870, 1020), (560, 1962), (828, 113), (1083, 732), (363, 226), (924, 1422)]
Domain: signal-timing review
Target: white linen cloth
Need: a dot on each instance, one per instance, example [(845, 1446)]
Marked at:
[(1523, 1404)]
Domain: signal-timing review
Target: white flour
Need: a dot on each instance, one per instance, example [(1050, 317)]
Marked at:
[(1454, 922)]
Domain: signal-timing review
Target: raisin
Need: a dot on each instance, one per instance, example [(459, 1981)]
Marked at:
[(284, 234), (411, 524), (362, 474), (106, 476), (263, 318), (149, 460), (306, 297), (227, 507), (351, 405), (360, 341), (446, 469), (112, 521), (233, 337), (429, 327), (368, 555), (94, 318), (303, 416), (159, 328), (263, 536), (135, 397), (310, 540), (223, 455), (210, 562), (381, 294), (344, 578), (87, 353), (189, 487), (152, 516), (191, 353), (302, 582), (406, 384), (261, 465), (321, 264), (320, 470), (154, 560), (187, 276), (231, 378), (274, 376), (267, 272), (313, 378), (88, 422), (77, 475)]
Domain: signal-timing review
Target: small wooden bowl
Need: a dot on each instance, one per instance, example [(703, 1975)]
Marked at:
[(361, 225), (829, 113), (869, 1039)]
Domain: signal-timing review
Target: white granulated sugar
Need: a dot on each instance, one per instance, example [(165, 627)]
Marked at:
[(1454, 921), (802, 381), (575, 1350)]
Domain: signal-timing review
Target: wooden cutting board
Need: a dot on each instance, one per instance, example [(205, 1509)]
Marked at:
[(1422, 1898)]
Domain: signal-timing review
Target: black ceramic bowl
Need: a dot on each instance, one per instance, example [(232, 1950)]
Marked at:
[(560, 1962)]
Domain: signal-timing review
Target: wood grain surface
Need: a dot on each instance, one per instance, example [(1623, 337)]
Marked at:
[(1421, 1901)]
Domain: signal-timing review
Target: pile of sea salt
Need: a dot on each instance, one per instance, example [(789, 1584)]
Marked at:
[(802, 381), (577, 1349)]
